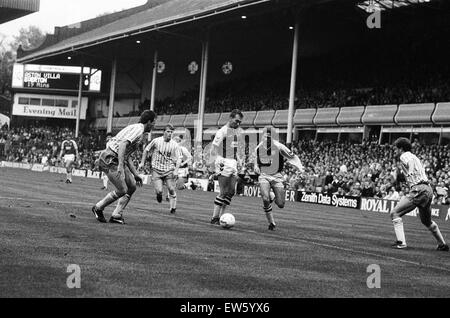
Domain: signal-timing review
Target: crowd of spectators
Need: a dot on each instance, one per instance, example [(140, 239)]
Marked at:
[(367, 169), (267, 98), (323, 84), (33, 144)]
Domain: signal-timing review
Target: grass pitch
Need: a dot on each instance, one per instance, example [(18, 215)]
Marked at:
[(316, 251)]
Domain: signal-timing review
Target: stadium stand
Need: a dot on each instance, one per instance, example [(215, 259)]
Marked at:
[(366, 169)]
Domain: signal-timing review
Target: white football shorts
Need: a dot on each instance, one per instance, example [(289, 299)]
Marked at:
[(226, 167), (68, 158)]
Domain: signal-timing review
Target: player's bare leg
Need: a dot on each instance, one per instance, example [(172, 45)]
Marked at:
[(230, 190), (280, 196), (171, 185), (117, 215), (69, 169), (267, 202), (105, 181), (425, 218), (403, 207), (158, 183), (219, 202), (119, 182)]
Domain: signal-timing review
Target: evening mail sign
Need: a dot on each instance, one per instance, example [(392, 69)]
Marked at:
[(48, 106)]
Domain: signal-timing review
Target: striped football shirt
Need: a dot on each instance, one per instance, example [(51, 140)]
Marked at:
[(164, 154), (412, 168), (133, 133)]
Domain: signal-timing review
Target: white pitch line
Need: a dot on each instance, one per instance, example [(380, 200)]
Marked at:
[(330, 246)]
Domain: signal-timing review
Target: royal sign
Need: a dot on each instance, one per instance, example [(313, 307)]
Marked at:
[(386, 206)]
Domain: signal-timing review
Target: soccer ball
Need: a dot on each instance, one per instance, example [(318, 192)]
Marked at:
[(227, 220)]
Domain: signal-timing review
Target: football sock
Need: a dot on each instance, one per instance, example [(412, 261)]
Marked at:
[(69, 176), (218, 203), (227, 200), (105, 182), (434, 229), (269, 215), (107, 200), (173, 201), (121, 205), (226, 203), (399, 231), (222, 209)]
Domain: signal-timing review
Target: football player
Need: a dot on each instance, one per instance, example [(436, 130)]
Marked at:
[(104, 176), (227, 158), (186, 161), (269, 163), (165, 162), (117, 163), (69, 155), (420, 196)]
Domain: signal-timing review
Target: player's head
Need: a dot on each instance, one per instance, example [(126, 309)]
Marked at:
[(148, 118), (236, 117), (168, 131), (403, 144), (68, 135), (177, 139)]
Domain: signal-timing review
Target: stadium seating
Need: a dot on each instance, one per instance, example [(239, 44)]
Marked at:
[(441, 114), (350, 116), (379, 115), (326, 117), (417, 114)]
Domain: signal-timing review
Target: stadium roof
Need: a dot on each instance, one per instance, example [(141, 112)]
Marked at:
[(14, 9), (165, 15), (372, 5), (175, 12)]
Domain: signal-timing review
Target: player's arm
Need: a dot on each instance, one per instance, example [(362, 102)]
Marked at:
[(403, 167), (214, 152), (77, 156), (292, 158), (135, 173), (188, 158), (61, 153), (121, 156), (255, 159), (145, 154), (179, 157)]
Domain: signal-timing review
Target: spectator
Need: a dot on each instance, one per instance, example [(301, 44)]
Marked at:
[(392, 195)]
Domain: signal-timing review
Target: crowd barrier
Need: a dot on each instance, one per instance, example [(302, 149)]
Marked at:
[(84, 173), (364, 204)]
